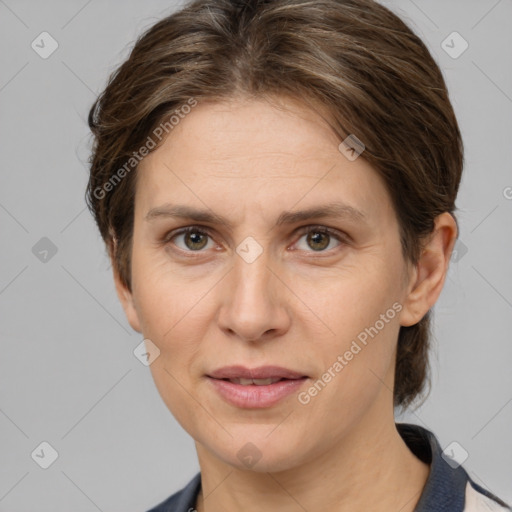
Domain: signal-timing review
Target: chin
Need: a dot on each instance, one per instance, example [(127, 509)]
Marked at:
[(261, 453)]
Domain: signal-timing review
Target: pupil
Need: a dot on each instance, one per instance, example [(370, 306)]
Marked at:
[(194, 236), (315, 240)]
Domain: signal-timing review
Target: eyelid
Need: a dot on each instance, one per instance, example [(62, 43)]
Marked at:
[(342, 237), (180, 231)]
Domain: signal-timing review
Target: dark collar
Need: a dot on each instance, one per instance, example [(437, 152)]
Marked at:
[(446, 486)]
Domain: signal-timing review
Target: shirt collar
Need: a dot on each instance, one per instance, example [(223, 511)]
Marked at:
[(445, 488)]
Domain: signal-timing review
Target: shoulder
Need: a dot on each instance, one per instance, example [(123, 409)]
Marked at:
[(183, 500), (449, 488), (478, 499)]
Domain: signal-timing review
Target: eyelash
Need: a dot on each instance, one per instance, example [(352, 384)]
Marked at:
[(340, 237)]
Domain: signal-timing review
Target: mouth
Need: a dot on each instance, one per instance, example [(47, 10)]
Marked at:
[(258, 375), (256, 382), (257, 388)]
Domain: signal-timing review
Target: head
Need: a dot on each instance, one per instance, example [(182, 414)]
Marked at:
[(241, 111)]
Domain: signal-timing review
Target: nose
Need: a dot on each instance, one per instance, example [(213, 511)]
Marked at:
[(255, 302)]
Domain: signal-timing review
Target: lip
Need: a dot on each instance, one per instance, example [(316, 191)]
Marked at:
[(254, 396), (261, 372)]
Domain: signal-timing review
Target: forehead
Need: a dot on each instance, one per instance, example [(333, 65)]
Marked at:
[(256, 152), (283, 129)]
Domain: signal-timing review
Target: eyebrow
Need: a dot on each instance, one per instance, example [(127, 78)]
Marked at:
[(330, 210)]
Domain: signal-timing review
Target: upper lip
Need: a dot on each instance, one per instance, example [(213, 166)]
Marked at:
[(261, 372)]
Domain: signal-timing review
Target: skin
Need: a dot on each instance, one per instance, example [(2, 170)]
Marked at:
[(293, 306)]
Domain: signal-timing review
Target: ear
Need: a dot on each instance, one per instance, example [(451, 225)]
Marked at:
[(429, 274), (125, 295)]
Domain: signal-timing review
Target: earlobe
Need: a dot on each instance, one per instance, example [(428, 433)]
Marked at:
[(430, 272), (123, 293), (126, 298)]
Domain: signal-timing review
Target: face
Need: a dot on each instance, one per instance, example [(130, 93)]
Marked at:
[(263, 287)]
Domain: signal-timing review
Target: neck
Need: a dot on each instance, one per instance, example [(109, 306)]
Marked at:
[(371, 468)]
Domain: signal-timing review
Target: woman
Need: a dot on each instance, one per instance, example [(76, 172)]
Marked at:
[(276, 183)]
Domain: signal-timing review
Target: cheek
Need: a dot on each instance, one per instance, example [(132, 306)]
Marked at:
[(360, 325), (161, 296), (358, 372), (348, 300), (169, 307)]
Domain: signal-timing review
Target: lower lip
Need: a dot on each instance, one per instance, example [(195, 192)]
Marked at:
[(253, 396)]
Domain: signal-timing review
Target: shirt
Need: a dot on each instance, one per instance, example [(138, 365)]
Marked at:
[(447, 489)]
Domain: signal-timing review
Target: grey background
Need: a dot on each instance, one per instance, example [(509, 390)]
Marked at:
[(68, 375)]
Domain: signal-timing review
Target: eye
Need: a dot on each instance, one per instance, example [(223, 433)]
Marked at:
[(319, 238), (194, 239)]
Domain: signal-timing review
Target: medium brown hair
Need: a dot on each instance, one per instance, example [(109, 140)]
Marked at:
[(355, 59)]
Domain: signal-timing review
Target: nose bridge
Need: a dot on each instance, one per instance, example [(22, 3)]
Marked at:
[(254, 304), (251, 279)]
